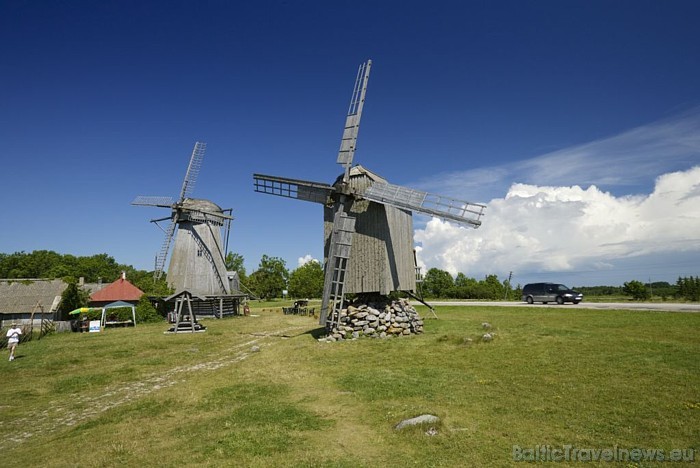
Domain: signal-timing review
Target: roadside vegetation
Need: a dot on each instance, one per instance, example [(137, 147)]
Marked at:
[(272, 278), (262, 391)]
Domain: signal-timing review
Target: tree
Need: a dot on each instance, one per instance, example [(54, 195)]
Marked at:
[(688, 288), (307, 280), (270, 278), (100, 266), (145, 312), (438, 283), (234, 262), (490, 288), (636, 289), (465, 288), (72, 298), (145, 282)]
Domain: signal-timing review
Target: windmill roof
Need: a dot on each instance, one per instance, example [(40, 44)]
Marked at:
[(22, 295), (359, 170), (120, 290), (200, 204)]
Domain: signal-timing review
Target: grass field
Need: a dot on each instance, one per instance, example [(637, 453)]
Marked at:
[(551, 377)]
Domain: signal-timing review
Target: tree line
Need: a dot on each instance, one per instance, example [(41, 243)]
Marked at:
[(441, 284), (272, 278), (268, 281), (686, 288), (47, 264)]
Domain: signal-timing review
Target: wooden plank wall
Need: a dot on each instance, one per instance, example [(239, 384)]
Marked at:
[(382, 251)]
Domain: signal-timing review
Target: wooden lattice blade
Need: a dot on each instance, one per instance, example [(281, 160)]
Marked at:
[(348, 143), (427, 203), (292, 188), (162, 202), (193, 169)]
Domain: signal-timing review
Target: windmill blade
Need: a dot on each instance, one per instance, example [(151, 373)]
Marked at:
[(203, 216), (336, 266), (162, 202), (193, 170), (423, 202), (352, 123), (163, 254), (156, 221), (292, 188), (214, 214)]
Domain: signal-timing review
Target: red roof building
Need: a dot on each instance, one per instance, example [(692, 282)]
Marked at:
[(120, 290)]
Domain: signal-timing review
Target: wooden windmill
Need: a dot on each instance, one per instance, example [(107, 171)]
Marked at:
[(368, 225), (197, 264)]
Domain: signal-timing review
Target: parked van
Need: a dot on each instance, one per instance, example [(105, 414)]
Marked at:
[(550, 292)]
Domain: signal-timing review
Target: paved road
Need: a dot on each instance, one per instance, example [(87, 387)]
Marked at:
[(659, 307)]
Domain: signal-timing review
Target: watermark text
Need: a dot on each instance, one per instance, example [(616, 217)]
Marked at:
[(570, 453)]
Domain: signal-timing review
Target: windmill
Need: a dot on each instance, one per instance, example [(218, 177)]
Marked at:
[(197, 264), (368, 224)]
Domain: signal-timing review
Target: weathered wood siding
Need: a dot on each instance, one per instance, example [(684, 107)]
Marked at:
[(382, 248), (189, 270)]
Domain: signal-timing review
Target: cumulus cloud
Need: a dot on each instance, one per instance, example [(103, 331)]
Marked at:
[(305, 259), (537, 229), (609, 210)]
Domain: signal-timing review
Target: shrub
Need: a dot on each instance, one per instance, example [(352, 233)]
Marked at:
[(145, 312)]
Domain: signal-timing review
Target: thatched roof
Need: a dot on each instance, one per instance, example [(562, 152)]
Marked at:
[(21, 296)]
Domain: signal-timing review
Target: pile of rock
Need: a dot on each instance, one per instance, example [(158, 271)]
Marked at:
[(376, 320)]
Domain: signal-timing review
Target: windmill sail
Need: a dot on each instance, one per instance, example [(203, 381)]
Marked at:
[(343, 225), (161, 202), (164, 248), (208, 217), (292, 188), (352, 123), (427, 203), (193, 170)]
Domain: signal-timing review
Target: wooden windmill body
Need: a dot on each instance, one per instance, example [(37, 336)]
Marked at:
[(382, 245)]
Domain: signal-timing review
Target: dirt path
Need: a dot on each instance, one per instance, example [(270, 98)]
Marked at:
[(61, 413)]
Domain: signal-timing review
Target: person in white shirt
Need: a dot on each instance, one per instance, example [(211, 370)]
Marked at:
[(13, 339)]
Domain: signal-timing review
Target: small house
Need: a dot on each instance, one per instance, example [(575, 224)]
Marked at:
[(119, 291)]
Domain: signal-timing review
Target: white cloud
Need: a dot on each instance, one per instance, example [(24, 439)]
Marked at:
[(538, 229), (305, 259)]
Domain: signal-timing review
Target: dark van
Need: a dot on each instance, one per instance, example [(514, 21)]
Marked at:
[(550, 292)]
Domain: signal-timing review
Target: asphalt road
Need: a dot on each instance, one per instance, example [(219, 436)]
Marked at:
[(658, 307)]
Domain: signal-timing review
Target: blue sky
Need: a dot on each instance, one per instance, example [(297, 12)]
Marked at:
[(514, 104)]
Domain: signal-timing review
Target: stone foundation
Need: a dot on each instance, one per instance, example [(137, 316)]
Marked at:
[(375, 320)]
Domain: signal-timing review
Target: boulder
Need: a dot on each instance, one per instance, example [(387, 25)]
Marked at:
[(422, 419)]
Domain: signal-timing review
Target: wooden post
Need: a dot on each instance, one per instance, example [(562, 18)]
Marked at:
[(178, 313), (189, 307)]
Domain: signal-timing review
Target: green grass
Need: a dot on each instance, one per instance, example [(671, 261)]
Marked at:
[(138, 397)]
